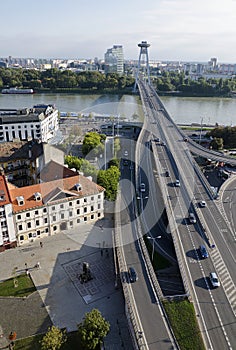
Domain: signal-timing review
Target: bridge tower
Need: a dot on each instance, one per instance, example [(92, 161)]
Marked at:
[(143, 57)]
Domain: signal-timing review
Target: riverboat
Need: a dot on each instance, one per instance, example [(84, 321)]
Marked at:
[(15, 90)]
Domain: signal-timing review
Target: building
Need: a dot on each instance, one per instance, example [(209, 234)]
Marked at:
[(23, 161), (114, 60), (40, 210), (37, 123), (7, 228)]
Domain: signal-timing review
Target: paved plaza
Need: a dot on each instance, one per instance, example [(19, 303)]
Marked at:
[(61, 298)]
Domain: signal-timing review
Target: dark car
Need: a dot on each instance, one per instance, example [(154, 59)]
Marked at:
[(132, 275), (203, 251), (167, 173)]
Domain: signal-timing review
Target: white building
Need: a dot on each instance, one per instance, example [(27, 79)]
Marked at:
[(37, 123), (114, 60)]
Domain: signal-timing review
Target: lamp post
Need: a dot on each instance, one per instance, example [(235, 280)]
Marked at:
[(153, 241)]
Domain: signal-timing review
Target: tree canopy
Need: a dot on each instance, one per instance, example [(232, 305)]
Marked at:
[(227, 134), (109, 179), (53, 339), (93, 329)]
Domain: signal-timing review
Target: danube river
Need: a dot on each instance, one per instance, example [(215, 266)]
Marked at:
[(184, 110)]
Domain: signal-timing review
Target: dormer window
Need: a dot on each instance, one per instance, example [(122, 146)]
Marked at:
[(78, 187), (37, 196), (20, 200)]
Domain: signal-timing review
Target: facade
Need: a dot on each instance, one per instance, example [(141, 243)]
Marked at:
[(37, 123), (114, 60), (36, 211)]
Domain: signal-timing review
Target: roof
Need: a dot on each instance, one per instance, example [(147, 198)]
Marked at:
[(57, 190), (10, 151), (53, 171)]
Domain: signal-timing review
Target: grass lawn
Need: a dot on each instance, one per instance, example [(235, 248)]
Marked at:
[(23, 287), (181, 315), (32, 343)]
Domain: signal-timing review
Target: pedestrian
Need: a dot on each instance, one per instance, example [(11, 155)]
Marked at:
[(41, 244), (27, 271)]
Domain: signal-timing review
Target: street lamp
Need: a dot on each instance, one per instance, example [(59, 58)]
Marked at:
[(153, 241)]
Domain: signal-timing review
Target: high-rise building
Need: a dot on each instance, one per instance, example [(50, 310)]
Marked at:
[(114, 60)]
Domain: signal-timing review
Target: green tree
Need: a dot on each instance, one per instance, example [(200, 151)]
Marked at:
[(53, 339), (93, 144), (109, 179), (217, 143), (93, 330)]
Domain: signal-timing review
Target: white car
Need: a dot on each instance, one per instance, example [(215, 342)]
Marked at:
[(142, 187), (126, 153), (202, 204), (177, 183), (214, 280)]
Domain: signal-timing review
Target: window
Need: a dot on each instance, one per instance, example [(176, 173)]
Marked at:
[(62, 206), (36, 212), (45, 220), (30, 235), (20, 227), (46, 230), (21, 238), (78, 211), (78, 221), (85, 218), (99, 214), (78, 201), (62, 216), (92, 217), (70, 204), (92, 208), (85, 209), (54, 218), (99, 196), (18, 217), (99, 206), (38, 232), (92, 198), (28, 215), (44, 210), (37, 222), (28, 224), (53, 208), (85, 200), (54, 228), (71, 223), (70, 213)]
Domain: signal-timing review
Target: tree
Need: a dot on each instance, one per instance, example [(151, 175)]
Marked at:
[(93, 330), (53, 339), (93, 142), (109, 179), (217, 143)]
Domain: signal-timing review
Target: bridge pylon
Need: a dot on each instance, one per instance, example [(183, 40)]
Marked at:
[(143, 62)]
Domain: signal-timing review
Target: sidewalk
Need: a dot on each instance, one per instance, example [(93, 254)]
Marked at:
[(60, 293)]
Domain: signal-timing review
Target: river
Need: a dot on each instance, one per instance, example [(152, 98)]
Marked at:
[(184, 110)]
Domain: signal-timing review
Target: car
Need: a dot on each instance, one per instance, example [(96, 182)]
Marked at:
[(203, 252), (214, 280), (157, 139), (126, 162), (177, 183), (126, 153), (192, 218), (167, 173), (163, 144), (142, 187), (202, 204), (133, 277)]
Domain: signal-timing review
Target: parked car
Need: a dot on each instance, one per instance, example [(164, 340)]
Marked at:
[(192, 218), (126, 153), (142, 187), (167, 173), (133, 277), (202, 204), (203, 251), (214, 280)]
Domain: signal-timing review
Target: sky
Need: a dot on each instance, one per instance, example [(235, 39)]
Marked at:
[(177, 30)]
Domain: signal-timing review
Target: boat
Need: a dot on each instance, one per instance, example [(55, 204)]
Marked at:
[(15, 90)]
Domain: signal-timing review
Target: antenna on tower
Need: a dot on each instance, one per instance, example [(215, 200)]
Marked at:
[(143, 56)]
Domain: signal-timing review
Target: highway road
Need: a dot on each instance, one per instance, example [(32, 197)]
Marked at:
[(216, 308), (155, 329)]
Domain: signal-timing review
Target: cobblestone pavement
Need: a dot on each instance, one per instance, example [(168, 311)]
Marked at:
[(61, 298)]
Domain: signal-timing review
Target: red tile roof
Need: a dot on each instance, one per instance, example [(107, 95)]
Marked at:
[(50, 191), (4, 194)]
